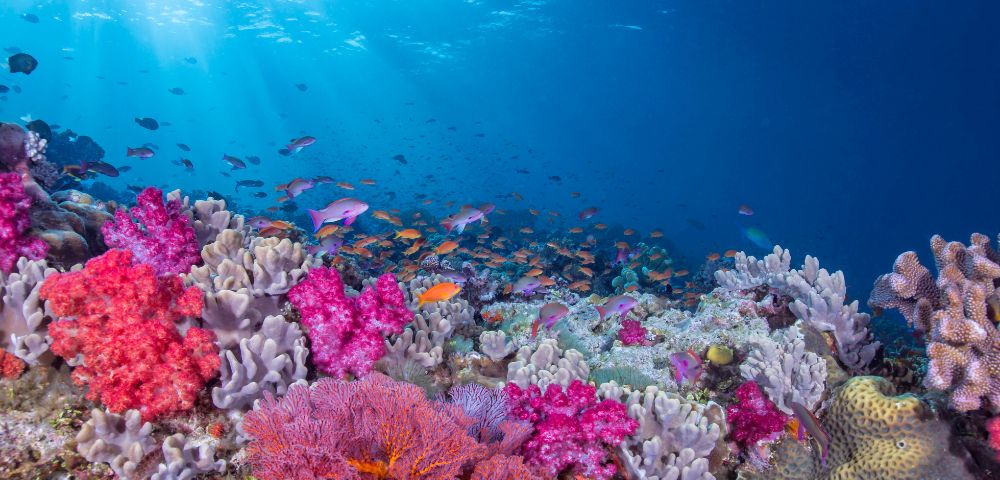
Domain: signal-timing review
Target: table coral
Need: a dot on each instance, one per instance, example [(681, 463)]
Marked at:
[(963, 343), (118, 330), (162, 237), (573, 431), (347, 335), (14, 224)]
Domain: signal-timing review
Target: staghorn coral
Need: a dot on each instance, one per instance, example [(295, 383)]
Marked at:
[(24, 317), (270, 360), (963, 344), (184, 458), (14, 224), (785, 370), (675, 436), (875, 435), (370, 428), (546, 365), (818, 300), (121, 441), (573, 431), (347, 334), (113, 302), (156, 233)]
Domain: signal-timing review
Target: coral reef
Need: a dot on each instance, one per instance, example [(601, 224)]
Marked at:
[(14, 224), (546, 365), (184, 459), (113, 302), (24, 317), (785, 370), (963, 343), (208, 217), (753, 418), (347, 335), (121, 441), (156, 233)]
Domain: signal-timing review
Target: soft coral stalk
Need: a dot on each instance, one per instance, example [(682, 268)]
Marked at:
[(118, 329)]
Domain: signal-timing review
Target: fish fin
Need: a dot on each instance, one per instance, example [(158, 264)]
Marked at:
[(129, 152), (317, 219), (420, 301), (602, 311), (460, 228), (349, 220)]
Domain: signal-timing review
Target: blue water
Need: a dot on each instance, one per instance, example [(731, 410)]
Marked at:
[(855, 130)]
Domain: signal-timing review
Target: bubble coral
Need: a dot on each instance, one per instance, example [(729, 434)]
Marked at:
[(118, 330), (753, 418), (159, 235), (347, 335), (573, 431), (14, 224)]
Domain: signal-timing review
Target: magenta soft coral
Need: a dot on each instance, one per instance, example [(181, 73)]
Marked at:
[(754, 417), (118, 328), (159, 235), (573, 431), (632, 333), (14, 224), (347, 335)]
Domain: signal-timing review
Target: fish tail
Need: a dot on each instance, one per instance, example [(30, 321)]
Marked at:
[(602, 311), (129, 152), (317, 219), (534, 329), (421, 301), (448, 225)]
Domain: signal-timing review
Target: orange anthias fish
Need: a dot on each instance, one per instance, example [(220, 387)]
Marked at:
[(416, 246), (439, 293), (328, 229), (655, 234), (713, 256), (409, 234), (367, 181), (576, 230), (445, 247), (729, 254)]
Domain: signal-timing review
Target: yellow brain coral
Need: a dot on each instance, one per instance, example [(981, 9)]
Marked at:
[(874, 435)]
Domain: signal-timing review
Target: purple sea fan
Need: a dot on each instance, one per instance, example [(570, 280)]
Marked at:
[(159, 234), (14, 224)]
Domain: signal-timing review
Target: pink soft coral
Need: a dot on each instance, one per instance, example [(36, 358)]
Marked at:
[(573, 432), (162, 237), (993, 427), (14, 224), (754, 418), (347, 335), (632, 333), (119, 330), (375, 427)]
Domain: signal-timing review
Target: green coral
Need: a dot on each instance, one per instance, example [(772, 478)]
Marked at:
[(622, 376)]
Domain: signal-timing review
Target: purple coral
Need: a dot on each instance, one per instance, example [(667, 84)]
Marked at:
[(14, 224), (348, 334), (632, 333), (573, 432), (754, 418), (159, 235)]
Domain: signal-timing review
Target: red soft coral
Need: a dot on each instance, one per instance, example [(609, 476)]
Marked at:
[(14, 224), (118, 328), (632, 333), (573, 432), (993, 427), (161, 238), (11, 367), (754, 417), (375, 427), (347, 335)]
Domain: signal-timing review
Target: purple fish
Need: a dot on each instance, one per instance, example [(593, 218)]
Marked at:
[(487, 208), (621, 304), (548, 315), (259, 222), (459, 220), (141, 152), (299, 143), (296, 187), (234, 161), (526, 285), (687, 366), (455, 276), (588, 212), (346, 209), (329, 244), (624, 255)]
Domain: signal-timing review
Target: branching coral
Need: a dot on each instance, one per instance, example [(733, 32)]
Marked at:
[(14, 224), (347, 335), (158, 235), (963, 344), (785, 370), (573, 431), (121, 441), (370, 428), (546, 365), (118, 329)]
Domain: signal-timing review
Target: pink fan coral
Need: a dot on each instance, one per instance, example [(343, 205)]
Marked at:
[(158, 236), (347, 335), (14, 224), (573, 432), (754, 417)]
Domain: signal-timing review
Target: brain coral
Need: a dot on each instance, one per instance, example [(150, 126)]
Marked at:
[(874, 435)]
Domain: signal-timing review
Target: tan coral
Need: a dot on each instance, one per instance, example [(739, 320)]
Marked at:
[(874, 435)]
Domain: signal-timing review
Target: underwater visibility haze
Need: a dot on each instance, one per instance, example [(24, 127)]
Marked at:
[(487, 239)]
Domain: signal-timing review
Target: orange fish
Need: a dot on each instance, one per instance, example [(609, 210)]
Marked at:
[(345, 185), (416, 246), (713, 256), (409, 234), (576, 230), (527, 230), (600, 226), (586, 271), (729, 254), (367, 181), (516, 195), (328, 229), (445, 247), (427, 201), (629, 231), (546, 281), (281, 225), (439, 293), (534, 272), (680, 273), (655, 234), (381, 214), (533, 211), (582, 286)]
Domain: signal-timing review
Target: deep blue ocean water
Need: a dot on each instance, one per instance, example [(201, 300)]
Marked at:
[(855, 130)]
